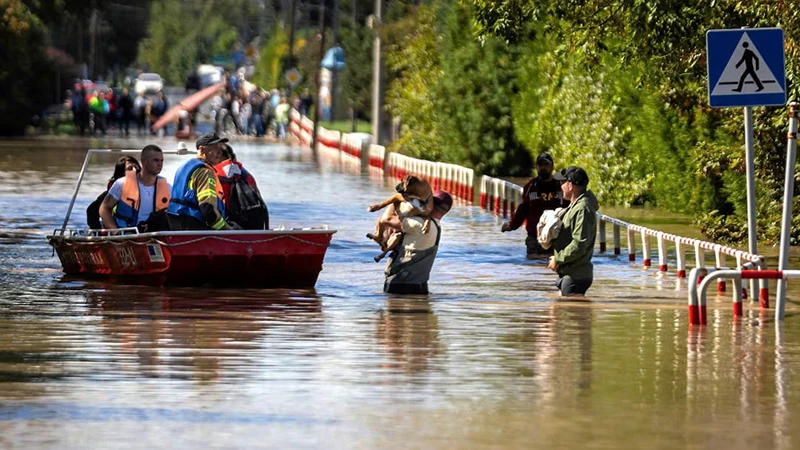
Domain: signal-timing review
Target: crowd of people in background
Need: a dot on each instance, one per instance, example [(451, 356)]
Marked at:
[(242, 108), (95, 112)]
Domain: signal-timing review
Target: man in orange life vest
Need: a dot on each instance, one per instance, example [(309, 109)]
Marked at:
[(138, 199), (539, 194), (197, 198)]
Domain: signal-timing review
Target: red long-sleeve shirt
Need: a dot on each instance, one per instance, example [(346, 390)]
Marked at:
[(537, 196)]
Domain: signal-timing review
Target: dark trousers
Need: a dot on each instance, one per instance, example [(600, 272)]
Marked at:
[(573, 286), (406, 289), (185, 223)]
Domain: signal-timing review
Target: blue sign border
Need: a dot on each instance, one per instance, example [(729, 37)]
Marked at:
[(720, 45)]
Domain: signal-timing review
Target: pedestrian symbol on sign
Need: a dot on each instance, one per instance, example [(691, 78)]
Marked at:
[(746, 72)]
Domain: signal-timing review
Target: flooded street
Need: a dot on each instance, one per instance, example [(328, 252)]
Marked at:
[(491, 359)]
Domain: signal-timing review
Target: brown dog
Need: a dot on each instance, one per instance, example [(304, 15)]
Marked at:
[(410, 188)]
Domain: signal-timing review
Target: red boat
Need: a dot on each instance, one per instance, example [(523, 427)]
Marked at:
[(263, 258)]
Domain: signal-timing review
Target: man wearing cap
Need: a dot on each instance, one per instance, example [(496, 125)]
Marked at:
[(574, 245), (409, 266), (197, 199), (539, 194)]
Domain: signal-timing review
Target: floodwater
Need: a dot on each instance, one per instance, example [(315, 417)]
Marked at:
[(491, 359)]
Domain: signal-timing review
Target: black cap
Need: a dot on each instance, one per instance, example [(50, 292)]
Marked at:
[(209, 139), (544, 158), (575, 174)]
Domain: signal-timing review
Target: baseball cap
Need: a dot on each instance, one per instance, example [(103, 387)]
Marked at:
[(575, 174), (442, 198), (544, 158), (209, 139)]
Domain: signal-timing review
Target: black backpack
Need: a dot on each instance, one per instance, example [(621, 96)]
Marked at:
[(246, 207)]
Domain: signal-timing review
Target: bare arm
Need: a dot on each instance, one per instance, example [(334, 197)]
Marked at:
[(107, 212)]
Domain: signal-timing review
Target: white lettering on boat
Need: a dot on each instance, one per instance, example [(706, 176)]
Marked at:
[(126, 257)]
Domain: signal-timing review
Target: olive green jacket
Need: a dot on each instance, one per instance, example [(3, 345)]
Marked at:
[(574, 245)]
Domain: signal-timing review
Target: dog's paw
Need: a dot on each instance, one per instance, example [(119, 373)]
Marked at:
[(378, 258), (371, 236), (373, 208)]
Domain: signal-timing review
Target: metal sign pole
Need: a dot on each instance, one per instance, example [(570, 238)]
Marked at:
[(751, 189), (788, 193)]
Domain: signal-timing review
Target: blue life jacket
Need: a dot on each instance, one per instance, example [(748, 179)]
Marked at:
[(184, 198)]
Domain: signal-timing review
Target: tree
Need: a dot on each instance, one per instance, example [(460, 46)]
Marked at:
[(26, 72)]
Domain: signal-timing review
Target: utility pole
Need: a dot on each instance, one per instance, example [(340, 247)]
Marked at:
[(376, 74), (92, 46), (318, 115), (290, 61), (335, 73)]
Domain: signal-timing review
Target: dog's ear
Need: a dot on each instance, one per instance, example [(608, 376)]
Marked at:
[(401, 188)]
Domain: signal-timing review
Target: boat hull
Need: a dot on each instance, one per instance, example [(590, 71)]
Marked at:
[(270, 258)]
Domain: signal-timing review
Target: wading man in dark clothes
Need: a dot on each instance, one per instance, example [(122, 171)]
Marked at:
[(539, 194)]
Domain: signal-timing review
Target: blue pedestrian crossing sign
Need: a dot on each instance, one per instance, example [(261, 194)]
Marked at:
[(746, 67)]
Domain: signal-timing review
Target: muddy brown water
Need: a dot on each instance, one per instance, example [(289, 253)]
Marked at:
[(491, 359)]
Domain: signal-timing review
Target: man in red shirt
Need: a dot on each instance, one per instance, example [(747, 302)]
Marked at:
[(538, 195)]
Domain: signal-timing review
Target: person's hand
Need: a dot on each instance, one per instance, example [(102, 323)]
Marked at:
[(506, 227), (551, 264)]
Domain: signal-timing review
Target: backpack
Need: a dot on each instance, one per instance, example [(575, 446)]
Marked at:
[(246, 207)]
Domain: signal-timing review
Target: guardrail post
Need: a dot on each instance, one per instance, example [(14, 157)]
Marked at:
[(739, 266), (496, 190), (646, 248), (602, 234), (506, 189), (617, 247), (662, 252), (694, 310), (631, 244), (483, 192), (699, 260), (720, 264), (763, 291), (680, 256), (737, 297)]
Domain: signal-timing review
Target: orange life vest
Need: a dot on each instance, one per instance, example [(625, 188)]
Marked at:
[(126, 212)]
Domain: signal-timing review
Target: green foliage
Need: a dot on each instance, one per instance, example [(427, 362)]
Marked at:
[(175, 46), (269, 70), (356, 78), (464, 119), (617, 86), (26, 72), (413, 59)]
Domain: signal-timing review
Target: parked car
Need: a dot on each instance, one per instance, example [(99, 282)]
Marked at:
[(148, 83), (208, 75)]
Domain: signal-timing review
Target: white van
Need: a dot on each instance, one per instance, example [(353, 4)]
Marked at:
[(209, 75)]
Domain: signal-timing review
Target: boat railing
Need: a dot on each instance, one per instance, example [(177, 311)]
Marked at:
[(96, 233)]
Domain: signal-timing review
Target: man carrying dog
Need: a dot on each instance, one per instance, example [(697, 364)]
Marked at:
[(574, 245), (409, 266), (197, 198), (539, 194)]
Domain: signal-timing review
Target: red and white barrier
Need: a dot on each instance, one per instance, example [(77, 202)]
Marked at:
[(456, 180), (377, 155), (698, 297)]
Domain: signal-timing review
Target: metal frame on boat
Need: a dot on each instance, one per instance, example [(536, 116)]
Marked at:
[(263, 258)]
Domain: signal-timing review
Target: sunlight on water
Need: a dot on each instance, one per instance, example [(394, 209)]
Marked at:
[(492, 358)]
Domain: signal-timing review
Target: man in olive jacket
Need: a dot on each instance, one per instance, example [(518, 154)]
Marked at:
[(574, 245)]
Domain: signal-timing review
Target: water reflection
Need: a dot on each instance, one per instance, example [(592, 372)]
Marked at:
[(408, 330), (188, 334)]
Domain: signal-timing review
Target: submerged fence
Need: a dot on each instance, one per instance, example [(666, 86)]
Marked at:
[(502, 197)]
